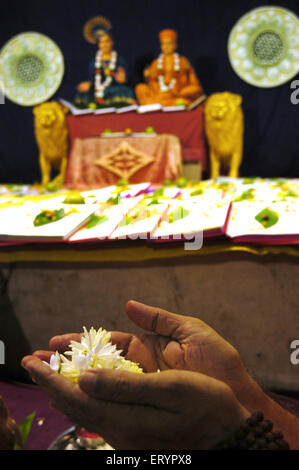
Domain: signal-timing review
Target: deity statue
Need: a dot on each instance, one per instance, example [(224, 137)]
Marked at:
[(107, 72), (170, 79)]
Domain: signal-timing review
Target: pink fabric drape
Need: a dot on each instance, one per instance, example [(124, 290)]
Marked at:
[(83, 172)]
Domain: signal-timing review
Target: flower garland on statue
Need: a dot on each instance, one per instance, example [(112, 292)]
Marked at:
[(176, 68), (99, 86)]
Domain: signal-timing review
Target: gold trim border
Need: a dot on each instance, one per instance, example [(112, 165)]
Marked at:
[(130, 252)]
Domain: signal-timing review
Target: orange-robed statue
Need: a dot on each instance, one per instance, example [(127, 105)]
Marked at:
[(171, 80)]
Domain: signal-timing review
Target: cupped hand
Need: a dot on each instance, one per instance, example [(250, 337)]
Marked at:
[(174, 342), (154, 411)]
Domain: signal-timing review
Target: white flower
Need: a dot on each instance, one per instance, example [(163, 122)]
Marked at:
[(55, 362), (95, 351)]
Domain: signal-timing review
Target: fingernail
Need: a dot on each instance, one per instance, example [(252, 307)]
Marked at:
[(88, 382), (25, 361), (136, 304)]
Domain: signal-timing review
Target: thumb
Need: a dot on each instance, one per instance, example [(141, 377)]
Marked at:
[(155, 319)]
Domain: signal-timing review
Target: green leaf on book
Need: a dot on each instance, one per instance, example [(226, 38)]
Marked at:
[(153, 202), (197, 192), (114, 200), (168, 182), (158, 192), (178, 214), (136, 216), (95, 220), (246, 195), (123, 182), (74, 199), (291, 193), (48, 216), (267, 218), (250, 180)]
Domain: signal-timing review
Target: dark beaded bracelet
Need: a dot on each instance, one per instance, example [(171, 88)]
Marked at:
[(255, 434)]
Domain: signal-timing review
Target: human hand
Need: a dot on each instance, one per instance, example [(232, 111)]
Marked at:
[(84, 87), (167, 410), (178, 342)]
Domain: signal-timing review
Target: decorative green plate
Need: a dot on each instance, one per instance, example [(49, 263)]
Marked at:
[(263, 46), (31, 68)]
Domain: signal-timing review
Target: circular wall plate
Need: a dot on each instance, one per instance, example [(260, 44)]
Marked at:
[(263, 46), (31, 68)]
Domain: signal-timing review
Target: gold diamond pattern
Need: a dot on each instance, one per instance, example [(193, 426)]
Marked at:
[(124, 161)]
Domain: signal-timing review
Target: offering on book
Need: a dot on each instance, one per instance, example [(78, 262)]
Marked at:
[(100, 226), (100, 195), (264, 222), (42, 221), (140, 222), (185, 218), (105, 220), (48, 216)]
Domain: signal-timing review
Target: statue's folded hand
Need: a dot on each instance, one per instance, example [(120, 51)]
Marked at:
[(84, 87)]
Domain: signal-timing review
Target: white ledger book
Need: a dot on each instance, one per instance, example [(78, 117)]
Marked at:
[(197, 102), (98, 195), (104, 110), (104, 221), (253, 220), (100, 227), (17, 222), (149, 108), (74, 110), (185, 218), (127, 109), (140, 222), (134, 189), (171, 109)]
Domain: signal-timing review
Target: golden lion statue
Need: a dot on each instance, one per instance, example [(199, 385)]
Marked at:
[(51, 133), (224, 124)]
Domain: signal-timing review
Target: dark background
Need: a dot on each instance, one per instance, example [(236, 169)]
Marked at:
[(271, 120)]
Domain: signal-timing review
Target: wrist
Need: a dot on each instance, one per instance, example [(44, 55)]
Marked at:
[(232, 417), (250, 394), (253, 397)]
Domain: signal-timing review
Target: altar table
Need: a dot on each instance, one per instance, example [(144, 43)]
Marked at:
[(102, 161), (188, 126), (248, 294)]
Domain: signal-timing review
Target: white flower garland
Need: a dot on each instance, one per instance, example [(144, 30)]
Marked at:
[(99, 86), (176, 68)]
